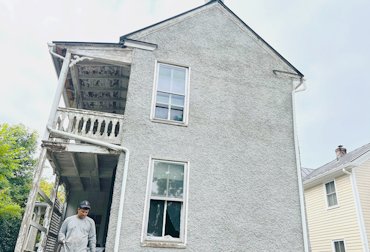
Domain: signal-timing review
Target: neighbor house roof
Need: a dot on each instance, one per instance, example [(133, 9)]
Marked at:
[(349, 160), (306, 171), (124, 37)]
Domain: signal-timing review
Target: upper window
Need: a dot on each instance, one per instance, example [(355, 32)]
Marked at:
[(339, 246), (170, 93), (165, 218), (331, 194)]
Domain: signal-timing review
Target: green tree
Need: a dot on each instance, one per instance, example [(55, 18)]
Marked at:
[(17, 161)]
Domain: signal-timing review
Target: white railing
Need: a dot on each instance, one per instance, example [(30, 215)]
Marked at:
[(92, 124)]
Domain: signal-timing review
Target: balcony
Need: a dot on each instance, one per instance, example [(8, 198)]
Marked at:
[(87, 123)]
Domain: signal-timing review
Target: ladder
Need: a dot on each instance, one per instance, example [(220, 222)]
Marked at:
[(50, 210)]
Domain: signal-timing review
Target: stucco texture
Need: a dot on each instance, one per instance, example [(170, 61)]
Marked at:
[(243, 188)]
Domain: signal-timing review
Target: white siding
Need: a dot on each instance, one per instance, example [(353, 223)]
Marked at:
[(363, 178)]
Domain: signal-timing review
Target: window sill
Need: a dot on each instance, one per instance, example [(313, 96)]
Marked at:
[(163, 244), (155, 120), (332, 207)]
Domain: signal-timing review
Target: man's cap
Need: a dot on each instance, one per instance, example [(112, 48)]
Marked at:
[(85, 204)]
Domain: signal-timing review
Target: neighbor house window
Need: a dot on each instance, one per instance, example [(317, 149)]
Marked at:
[(339, 246), (331, 194), (165, 216), (171, 93)]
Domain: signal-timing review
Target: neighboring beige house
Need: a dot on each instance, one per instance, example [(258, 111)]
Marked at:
[(338, 202)]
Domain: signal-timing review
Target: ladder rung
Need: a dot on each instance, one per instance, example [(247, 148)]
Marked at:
[(43, 195), (38, 226)]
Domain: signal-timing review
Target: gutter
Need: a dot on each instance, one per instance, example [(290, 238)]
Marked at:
[(318, 179), (124, 179), (298, 161)]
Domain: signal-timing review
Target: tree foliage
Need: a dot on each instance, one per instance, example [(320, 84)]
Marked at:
[(17, 161)]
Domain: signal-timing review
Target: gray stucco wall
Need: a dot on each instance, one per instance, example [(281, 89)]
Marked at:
[(243, 188)]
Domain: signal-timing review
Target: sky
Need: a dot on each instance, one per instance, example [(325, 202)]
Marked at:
[(327, 40)]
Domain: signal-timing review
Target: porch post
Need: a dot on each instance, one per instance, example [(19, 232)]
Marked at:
[(58, 93), (23, 231), (25, 225)]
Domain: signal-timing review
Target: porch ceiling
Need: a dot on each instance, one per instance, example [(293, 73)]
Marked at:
[(80, 169), (97, 86)]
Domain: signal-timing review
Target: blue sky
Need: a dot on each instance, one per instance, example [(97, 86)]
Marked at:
[(326, 40)]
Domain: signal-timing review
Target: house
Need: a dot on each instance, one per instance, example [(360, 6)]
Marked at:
[(181, 135), (338, 202)]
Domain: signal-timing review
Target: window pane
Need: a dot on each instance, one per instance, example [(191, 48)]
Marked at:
[(173, 217), (163, 98), (330, 188), (335, 202), (336, 244), (332, 199), (178, 81), (341, 245), (176, 114), (161, 112), (176, 180), (155, 222), (159, 182), (164, 78), (177, 100)]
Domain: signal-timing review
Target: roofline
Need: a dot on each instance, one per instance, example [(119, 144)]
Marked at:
[(79, 43), (228, 9), (332, 172), (123, 37), (311, 182)]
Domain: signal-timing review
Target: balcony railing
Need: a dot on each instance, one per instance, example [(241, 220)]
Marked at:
[(96, 125)]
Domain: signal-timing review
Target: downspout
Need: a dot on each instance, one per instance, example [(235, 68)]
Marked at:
[(298, 163), (360, 218), (51, 46), (124, 179)]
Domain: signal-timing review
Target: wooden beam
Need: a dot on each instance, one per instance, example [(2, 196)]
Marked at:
[(116, 56), (76, 85), (95, 181), (92, 77), (103, 89), (76, 147), (38, 226), (77, 170), (107, 99), (26, 221), (45, 197)]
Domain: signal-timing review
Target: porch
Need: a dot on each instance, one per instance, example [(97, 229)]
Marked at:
[(82, 142)]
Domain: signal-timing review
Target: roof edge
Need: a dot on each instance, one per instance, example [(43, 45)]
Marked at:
[(79, 43), (264, 41), (123, 37)]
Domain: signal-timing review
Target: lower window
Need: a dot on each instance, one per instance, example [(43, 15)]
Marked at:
[(339, 246), (166, 200)]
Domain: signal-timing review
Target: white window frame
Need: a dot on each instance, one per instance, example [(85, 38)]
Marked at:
[(149, 241), (326, 195), (344, 244), (185, 120)]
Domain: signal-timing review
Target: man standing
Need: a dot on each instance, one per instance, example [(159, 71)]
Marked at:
[(78, 231)]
